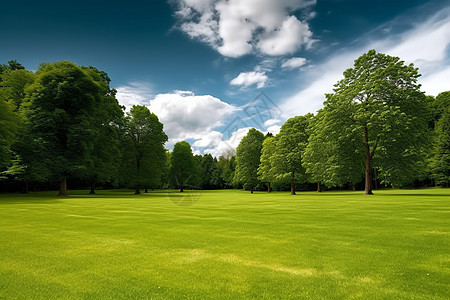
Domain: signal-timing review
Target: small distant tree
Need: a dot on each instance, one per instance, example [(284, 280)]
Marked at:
[(248, 155), (182, 165)]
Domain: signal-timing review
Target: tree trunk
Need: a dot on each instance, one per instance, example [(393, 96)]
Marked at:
[(251, 189), (92, 191), (181, 190), (268, 188), (146, 190), (367, 169), (63, 187), (353, 187), (137, 190), (318, 187), (292, 188)]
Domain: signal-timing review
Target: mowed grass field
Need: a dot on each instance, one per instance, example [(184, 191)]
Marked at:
[(228, 244)]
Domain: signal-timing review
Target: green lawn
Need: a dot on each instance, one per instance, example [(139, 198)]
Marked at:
[(229, 244)]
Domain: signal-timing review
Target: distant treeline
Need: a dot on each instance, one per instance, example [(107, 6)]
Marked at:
[(62, 125)]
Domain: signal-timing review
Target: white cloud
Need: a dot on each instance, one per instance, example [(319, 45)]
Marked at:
[(188, 116), (437, 82), (286, 39), (135, 93), (426, 45), (250, 78), (210, 139), (238, 27), (271, 122), (228, 145), (275, 129), (293, 63)]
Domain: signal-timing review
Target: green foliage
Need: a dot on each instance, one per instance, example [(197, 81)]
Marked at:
[(64, 101), (143, 153), (182, 166), (210, 177), (11, 66), (440, 155), (330, 159), (265, 169), (377, 117), (14, 84), (8, 130), (248, 155), (104, 154), (290, 145), (227, 166)]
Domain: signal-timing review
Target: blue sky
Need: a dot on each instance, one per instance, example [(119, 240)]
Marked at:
[(200, 64)]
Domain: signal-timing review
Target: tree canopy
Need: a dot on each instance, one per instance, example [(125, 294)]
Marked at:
[(143, 148), (182, 166), (377, 117), (248, 155)]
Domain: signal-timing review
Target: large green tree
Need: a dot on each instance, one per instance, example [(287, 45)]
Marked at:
[(182, 165), (62, 99), (248, 155), (378, 112), (143, 150)]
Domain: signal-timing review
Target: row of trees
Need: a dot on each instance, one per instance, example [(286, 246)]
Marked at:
[(64, 122), (377, 123)]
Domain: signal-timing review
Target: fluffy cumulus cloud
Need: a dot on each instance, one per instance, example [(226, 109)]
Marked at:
[(189, 116), (294, 63), (426, 45), (250, 78), (238, 27)]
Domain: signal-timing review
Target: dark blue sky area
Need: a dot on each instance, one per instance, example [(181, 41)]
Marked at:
[(139, 41)]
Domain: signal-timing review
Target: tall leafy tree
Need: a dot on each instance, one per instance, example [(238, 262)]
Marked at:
[(62, 100), (325, 160), (104, 153), (440, 154), (248, 155), (265, 169), (143, 149), (182, 166), (379, 110), (286, 160)]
